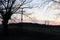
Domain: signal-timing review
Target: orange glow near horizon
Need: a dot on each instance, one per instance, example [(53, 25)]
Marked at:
[(38, 15)]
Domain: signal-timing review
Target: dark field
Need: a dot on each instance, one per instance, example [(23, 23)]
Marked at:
[(29, 31)]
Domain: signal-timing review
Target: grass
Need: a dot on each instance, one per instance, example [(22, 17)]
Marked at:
[(29, 31)]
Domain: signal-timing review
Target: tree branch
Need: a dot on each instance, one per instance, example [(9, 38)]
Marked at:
[(27, 16), (3, 5), (27, 2), (19, 7)]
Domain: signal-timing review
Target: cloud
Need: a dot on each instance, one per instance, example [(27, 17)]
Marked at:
[(48, 12)]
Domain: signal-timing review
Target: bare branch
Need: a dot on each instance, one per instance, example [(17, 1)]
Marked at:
[(3, 5), (27, 16), (57, 1), (18, 7), (28, 2), (8, 3)]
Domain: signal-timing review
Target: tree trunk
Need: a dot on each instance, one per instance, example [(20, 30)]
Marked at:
[(5, 26)]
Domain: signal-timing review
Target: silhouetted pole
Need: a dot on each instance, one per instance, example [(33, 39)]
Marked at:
[(22, 11), (22, 15), (47, 22)]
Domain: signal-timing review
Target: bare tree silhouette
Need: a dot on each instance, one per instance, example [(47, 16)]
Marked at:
[(9, 7)]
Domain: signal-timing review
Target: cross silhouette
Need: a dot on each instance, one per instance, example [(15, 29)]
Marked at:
[(22, 11)]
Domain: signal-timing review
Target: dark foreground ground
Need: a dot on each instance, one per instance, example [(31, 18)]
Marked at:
[(29, 31)]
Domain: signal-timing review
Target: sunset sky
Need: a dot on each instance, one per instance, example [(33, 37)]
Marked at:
[(43, 10)]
